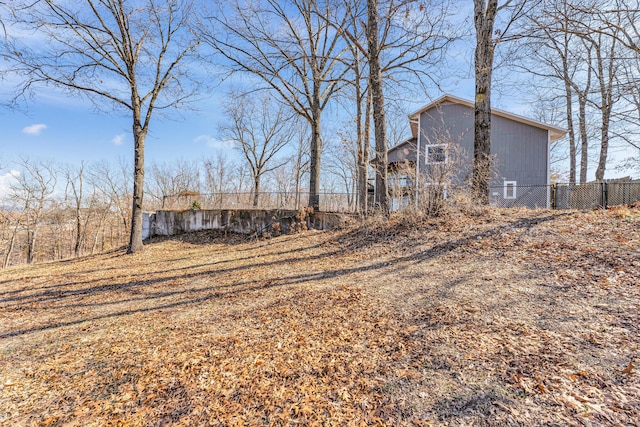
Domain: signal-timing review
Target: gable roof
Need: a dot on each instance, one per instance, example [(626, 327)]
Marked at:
[(555, 132), (390, 151)]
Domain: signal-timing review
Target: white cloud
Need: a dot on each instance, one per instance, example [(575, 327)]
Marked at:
[(34, 129), (118, 139), (6, 179), (213, 142)]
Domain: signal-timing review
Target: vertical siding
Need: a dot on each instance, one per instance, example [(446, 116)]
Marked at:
[(451, 124), (520, 150), (403, 152)]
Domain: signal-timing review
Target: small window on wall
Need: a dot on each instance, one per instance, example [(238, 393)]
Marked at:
[(437, 153), (510, 189)]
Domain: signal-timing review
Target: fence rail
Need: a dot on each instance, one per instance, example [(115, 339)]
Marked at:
[(329, 202), (556, 196), (568, 196)]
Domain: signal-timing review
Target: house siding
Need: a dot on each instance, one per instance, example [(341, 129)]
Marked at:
[(449, 123), (520, 150), (403, 152)]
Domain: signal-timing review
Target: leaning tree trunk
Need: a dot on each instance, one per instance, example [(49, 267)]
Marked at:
[(135, 238), (606, 95), (12, 241), (604, 144), (484, 19), (377, 97)]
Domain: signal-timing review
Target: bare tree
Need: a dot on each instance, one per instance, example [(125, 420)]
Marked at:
[(393, 44), (260, 129), (291, 48), (217, 172), (127, 53), (613, 32), (606, 67), (342, 164), (354, 33), (31, 191), (377, 99), (299, 160), (289, 176), (75, 185), (170, 179), (113, 181), (554, 52)]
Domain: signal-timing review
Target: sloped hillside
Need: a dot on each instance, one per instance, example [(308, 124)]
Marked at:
[(511, 318)]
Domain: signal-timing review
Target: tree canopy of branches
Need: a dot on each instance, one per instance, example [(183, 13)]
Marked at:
[(581, 52), (260, 129), (553, 52), (129, 53), (291, 49), (393, 45)]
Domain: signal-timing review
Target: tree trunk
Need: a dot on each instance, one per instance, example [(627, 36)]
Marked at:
[(76, 249), (362, 140), (484, 18), (31, 245), (135, 238), (314, 166), (584, 137), (572, 134), (361, 166), (298, 173), (606, 102), (256, 190), (367, 140), (12, 241), (604, 144), (379, 119)]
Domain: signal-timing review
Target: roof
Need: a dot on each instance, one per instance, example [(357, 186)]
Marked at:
[(555, 132), (397, 146)]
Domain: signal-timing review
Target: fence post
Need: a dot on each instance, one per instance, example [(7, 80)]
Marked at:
[(554, 202), (605, 195)]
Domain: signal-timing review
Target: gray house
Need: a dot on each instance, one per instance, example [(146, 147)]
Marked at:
[(442, 134)]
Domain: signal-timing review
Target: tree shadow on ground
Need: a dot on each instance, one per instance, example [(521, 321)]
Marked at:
[(197, 295)]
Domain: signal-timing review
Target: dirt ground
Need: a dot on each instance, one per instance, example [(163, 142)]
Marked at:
[(511, 318)]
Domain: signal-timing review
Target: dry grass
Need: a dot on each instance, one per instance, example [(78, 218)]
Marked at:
[(514, 318)]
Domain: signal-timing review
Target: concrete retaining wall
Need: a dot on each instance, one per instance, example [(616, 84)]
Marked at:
[(170, 223)]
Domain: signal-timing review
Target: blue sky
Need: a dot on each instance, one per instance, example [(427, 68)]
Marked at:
[(70, 130), (66, 128)]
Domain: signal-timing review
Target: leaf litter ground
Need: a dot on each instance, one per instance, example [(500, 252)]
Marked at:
[(511, 318)]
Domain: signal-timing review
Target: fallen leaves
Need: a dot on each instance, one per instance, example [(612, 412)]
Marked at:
[(629, 369), (524, 318)]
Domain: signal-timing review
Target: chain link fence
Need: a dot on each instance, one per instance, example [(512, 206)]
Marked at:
[(556, 196), (595, 195), (566, 196), (520, 196), (329, 202)]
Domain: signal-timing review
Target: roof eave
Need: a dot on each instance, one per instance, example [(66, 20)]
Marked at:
[(560, 132)]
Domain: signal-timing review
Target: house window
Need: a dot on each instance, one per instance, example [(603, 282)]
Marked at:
[(437, 153), (510, 189)]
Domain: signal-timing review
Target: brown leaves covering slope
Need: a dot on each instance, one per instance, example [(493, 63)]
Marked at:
[(519, 318)]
